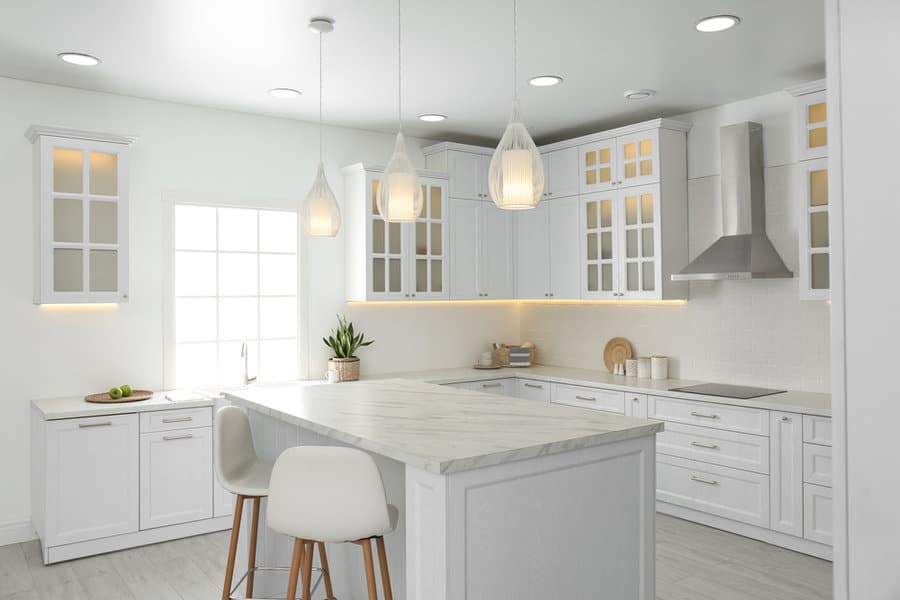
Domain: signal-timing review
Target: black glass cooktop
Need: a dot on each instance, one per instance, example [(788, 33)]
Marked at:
[(724, 390)]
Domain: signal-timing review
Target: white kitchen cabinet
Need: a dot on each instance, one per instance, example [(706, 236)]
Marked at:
[(503, 387), (176, 478), (786, 442), (395, 261), (636, 405), (533, 390), (587, 397), (817, 513), (481, 263), (627, 159), (708, 414), (598, 165), (815, 238), (546, 257), (817, 466), (81, 216), (466, 166), (811, 120), (91, 477), (560, 173), (715, 446), (817, 430)]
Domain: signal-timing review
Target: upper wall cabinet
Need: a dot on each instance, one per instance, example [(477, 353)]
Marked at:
[(395, 261), (81, 182), (560, 173), (466, 166), (481, 265), (812, 120), (626, 160)]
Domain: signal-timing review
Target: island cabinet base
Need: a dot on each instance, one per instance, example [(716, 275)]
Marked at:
[(576, 524)]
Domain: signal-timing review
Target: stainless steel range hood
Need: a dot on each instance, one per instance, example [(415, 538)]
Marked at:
[(744, 250)]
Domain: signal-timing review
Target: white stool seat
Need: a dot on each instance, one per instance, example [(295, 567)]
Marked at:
[(251, 480), (237, 466)]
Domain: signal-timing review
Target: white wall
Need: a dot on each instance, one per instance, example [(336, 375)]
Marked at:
[(73, 351), (749, 332), (868, 92)]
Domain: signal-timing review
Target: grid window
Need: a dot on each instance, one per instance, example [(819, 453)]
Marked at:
[(235, 283)]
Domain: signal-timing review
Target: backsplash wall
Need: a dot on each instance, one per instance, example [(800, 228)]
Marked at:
[(746, 332)]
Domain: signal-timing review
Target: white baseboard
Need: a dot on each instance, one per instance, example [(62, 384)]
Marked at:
[(14, 533)]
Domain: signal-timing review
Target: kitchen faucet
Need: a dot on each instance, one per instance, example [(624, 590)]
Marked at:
[(247, 379)]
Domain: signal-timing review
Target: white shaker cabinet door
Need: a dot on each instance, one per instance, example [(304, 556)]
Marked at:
[(561, 173), (532, 253), (92, 478), (176, 477), (786, 489), (468, 175), (496, 234), (565, 266), (817, 513), (465, 255)]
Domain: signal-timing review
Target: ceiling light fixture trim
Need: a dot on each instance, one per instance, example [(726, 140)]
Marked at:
[(717, 23), (284, 93), (432, 117), (639, 94), (79, 59), (545, 80)]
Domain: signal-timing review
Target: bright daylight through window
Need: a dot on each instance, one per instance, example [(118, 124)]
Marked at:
[(235, 282)]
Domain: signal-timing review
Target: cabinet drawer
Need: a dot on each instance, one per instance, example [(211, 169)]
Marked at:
[(533, 390), (585, 397), (817, 430), (729, 493), (726, 448), (817, 464), (817, 513), (503, 387), (182, 418), (708, 414)]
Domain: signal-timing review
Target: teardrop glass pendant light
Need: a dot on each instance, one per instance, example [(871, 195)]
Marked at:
[(399, 194), (321, 215), (516, 174)]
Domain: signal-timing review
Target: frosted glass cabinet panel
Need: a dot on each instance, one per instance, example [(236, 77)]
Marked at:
[(82, 225), (815, 238)]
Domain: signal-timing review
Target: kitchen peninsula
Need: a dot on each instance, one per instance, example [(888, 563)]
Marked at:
[(498, 497)]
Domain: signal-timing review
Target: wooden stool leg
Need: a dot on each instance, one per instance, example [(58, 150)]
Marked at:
[(232, 549), (326, 575), (370, 568), (251, 565), (310, 547), (382, 563), (295, 569)]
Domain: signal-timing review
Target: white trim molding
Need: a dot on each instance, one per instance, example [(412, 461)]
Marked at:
[(16, 532), (35, 131)]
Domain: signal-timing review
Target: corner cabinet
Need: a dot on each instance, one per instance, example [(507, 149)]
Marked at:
[(395, 261), (81, 208)]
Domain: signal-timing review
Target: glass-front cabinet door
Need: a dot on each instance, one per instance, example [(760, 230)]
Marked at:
[(598, 166), (639, 242), (431, 272), (83, 217), (638, 158), (813, 119), (814, 231), (387, 253), (600, 279)]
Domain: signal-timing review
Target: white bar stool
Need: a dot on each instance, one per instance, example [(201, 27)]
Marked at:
[(330, 494), (242, 473)]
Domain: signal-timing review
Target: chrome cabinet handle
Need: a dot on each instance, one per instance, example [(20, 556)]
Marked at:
[(704, 416), (635, 399), (491, 385), (100, 424), (706, 481), (586, 398), (786, 419), (172, 438), (702, 445), (178, 420), (534, 385)]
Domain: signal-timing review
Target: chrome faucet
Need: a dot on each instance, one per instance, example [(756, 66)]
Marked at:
[(247, 379)]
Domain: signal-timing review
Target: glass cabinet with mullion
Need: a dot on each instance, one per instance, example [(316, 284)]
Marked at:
[(81, 182)]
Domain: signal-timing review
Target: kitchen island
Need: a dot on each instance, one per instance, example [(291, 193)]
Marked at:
[(498, 497)]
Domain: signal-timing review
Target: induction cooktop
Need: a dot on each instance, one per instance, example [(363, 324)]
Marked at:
[(724, 390)]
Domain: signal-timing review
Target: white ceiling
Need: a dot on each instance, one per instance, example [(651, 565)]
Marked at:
[(457, 57)]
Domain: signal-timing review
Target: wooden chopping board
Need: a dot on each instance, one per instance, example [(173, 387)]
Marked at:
[(103, 397)]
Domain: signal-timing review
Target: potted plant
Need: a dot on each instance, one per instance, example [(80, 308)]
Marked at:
[(344, 342)]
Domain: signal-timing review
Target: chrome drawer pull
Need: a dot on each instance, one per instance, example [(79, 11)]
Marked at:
[(534, 385), (101, 424), (491, 385), (178, 420), (586, 398), (704, 416), (706, 481), (172, 438), (701, 445)]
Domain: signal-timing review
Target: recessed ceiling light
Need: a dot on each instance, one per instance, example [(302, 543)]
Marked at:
[(639, 94), (79, 58), (432, 117), (284, 93), (545, 80), (717, 23)]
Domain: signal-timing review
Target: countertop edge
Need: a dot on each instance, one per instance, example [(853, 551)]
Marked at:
[(101, 409)]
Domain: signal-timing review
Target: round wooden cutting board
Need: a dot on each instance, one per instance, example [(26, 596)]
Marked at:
[(103, 398), (617, 351)]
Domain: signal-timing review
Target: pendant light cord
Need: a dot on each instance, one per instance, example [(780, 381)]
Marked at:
[(399, 70), (320, 96), (516, 49)]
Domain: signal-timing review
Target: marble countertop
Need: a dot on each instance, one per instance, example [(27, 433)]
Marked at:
[(809, 403), (439, 429), (75, 406)]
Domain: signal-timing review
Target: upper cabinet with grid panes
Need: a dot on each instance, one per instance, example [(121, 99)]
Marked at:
[(395, 261), (812, 151), (82, 216)]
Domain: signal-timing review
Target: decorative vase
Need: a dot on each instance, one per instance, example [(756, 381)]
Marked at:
[(347, 368)]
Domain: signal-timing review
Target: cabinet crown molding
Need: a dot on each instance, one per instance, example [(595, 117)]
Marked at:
[(444, 146), (373, 168), (672, 124), (810, 87), (36, 131)]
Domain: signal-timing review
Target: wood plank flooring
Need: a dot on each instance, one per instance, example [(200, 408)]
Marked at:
[(693, 563)]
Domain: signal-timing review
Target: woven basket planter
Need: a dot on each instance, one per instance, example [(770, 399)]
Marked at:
[(347, 368)]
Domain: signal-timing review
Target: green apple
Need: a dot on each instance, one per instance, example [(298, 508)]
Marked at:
[(126, 390), (115, 393)]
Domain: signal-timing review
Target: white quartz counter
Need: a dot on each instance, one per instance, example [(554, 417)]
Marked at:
[(439, 429), (809, 403), (73, 407)]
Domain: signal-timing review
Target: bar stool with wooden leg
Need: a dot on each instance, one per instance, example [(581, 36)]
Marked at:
[(325, 494), (241, 472)]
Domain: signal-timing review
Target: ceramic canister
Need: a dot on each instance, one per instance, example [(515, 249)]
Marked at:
[(631, 367), (643, 367), (659, 367)]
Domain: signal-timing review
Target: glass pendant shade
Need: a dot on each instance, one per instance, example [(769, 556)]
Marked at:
[(399, 197), (321, 215), (516, 175)]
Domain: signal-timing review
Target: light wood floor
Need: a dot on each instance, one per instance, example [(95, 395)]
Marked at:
[(693, 563)]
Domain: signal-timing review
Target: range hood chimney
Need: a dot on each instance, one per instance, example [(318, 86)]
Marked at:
[(744, 250)]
